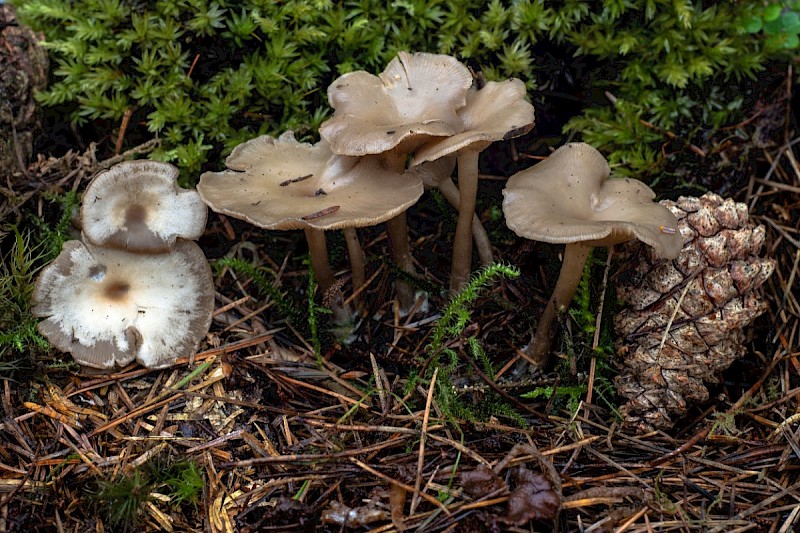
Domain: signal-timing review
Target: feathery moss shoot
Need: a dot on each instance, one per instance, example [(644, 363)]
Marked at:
[(455, 317)]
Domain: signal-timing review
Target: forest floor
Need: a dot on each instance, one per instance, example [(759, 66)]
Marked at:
[(252, 434)]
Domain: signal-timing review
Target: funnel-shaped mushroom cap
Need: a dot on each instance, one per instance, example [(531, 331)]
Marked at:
[(137, 206), (414, 99), (108, 307), (434, 172), (569, 198), (284, 184), (496, 112)]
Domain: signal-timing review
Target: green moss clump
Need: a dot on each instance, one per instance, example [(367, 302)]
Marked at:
[(26, 251), (207, 75)]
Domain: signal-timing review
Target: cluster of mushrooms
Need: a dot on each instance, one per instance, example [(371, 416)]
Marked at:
[(135, 286), (394, 134)]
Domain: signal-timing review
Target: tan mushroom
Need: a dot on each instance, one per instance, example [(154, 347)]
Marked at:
[(137, 206), (284, 184), (498, 111), (108, 307), (413, 100), (569, 199)]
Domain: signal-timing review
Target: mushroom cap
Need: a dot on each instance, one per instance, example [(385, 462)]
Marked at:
[(284, 184), (433, 172), (137, 206), (413, 99), (568, 198), (496, 112), (108, 307)]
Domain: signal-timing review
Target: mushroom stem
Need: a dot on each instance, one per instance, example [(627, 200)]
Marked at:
[(356, 253), (482, 242), (575, 256), (397, 230), (461, 266), (318, 251)]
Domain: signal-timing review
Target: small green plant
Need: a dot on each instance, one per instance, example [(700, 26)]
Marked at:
[(123, 499), (52, 235), (455, 317), (265, 288), (18, 335), (314, 311), (779, 22), (184, 483), (30, 249), (571, 395), (725, 423)]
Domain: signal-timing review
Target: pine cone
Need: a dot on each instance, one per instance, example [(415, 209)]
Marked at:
[(715, 286)]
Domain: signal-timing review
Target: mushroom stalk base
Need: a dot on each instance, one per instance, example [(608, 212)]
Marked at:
[(461, 266), (356, 253), (397, 229), (332, 296), (575, 256), (482, 243)]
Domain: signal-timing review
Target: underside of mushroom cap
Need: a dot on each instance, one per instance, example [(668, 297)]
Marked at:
[(138, 206), (284, 184), (414, 99), (496, 112), (569, 198), (108, 307)]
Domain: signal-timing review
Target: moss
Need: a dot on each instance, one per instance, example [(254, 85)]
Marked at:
[(207, 75), (28, 250)]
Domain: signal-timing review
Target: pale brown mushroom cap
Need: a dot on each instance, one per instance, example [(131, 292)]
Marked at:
[(568, 198), (108, 307), (496, 112), (284, 184), (138, 206), (434, 172), (413, 99)]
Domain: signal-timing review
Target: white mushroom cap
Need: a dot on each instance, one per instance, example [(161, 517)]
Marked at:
[(413, 99), (496, 112), (108, 307), (284, 184), (568, 198), (137, 206)]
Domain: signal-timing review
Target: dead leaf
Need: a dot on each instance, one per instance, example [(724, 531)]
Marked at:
[(481, 481), (534, 498)]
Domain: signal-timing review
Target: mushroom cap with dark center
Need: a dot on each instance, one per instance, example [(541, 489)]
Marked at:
[(284, 184), (137, 206), (414, 99), (568, 198), (108, 307), (496, 112)]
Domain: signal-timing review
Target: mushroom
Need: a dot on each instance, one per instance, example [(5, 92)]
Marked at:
[(569, 199), (436, 175), (108, 307), (284, 184), (137, 206), (413, 100), (498, 111)]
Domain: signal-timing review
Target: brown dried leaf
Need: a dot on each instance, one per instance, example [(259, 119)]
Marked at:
[(481, 481), (534, 498)]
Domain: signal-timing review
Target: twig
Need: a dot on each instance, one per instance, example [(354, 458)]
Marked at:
[(422, 438)]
